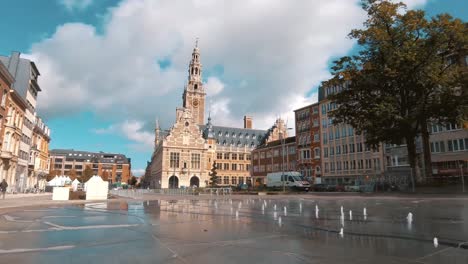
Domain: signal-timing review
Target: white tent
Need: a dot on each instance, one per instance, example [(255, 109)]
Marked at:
[(75, 184), (96, 188), (54, 182)]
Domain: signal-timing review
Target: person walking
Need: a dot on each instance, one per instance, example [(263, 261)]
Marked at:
[(3, 187)]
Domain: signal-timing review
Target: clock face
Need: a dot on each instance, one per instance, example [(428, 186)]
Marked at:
[(195, 103)]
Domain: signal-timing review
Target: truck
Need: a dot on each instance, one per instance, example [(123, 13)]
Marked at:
[(290, 179)]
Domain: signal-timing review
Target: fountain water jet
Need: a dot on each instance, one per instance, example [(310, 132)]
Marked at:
[(409, 218)]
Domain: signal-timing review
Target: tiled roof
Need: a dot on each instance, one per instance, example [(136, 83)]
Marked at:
[(236, 136), (93, 156), (288, 140)]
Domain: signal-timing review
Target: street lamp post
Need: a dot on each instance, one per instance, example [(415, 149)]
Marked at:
[(282, 165), (462, 176)]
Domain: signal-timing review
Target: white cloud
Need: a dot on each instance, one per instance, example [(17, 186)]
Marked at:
[(72, 5), (138, 172), (133, 131), (213, 86), (271, 54)]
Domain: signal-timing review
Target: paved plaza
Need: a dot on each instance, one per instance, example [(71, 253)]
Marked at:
[(238, 229)]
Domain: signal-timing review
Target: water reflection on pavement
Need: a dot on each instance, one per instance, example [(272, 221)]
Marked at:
[(239, 231)]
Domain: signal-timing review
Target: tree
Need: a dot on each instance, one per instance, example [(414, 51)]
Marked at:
[(133, 181), (105, 175), (403, 78), (72, 174), (87, 174), (52, 174), (214, 179)]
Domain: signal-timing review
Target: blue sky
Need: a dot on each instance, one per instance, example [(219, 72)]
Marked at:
[(111, 67)]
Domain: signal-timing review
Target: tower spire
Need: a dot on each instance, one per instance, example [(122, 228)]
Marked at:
[(194, 93), (157, 130)]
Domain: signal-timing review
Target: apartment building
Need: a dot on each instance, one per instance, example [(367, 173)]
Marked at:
[(308, 144), (11, 126), (39, 155), (110, 166), (26, 75), (345, 156), (274, 156)]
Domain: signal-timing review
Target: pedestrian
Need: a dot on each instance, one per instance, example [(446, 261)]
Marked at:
[(3, 187)]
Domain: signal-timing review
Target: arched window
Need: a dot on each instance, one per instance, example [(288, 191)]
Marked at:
[(5, 94), (6, 142), (196, 70), (192, 71), (195, 86)]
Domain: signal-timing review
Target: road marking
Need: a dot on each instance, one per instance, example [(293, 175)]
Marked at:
[(24, 250), (13, 219)]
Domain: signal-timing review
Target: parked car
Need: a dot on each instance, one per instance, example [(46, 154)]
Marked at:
[(352, 188)]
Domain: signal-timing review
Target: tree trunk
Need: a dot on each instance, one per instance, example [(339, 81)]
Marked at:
[(412, 158), (426, 150)]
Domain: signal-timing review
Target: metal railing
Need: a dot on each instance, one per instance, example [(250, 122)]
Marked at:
[(217, 191), (138, 193)]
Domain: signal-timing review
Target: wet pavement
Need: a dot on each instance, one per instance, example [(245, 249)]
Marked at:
[(239, 231)]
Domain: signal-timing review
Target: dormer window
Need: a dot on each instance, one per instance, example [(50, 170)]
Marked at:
[(233, 134), (226, 134), (240, 135), (220, 133)]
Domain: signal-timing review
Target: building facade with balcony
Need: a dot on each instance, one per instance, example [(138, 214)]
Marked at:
[(110, 166), (308, 136), (39, 155), (26, 76), (14, 110)]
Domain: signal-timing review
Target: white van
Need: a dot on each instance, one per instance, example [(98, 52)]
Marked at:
[(292, 179)]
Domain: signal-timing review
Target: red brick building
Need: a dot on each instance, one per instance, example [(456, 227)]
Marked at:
[(269, 158), (308, 141)]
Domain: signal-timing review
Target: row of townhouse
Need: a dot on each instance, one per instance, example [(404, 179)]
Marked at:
[(325, 152), (336, 154), (24, 137)]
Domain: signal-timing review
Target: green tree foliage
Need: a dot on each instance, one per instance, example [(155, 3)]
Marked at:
[(87, 174), (409, 72), (214, 179), (133, 181)]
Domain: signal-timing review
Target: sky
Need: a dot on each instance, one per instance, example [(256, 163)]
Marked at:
[(110, 68)]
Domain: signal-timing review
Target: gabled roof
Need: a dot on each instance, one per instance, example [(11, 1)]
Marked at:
[(270, 144), (236, 136)]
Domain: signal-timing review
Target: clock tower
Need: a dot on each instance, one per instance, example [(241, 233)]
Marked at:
[(194, 93)]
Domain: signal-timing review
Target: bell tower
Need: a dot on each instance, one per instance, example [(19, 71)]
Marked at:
[(194, 93)]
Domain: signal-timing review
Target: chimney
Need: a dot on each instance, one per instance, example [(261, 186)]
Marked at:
[(248, 122)]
